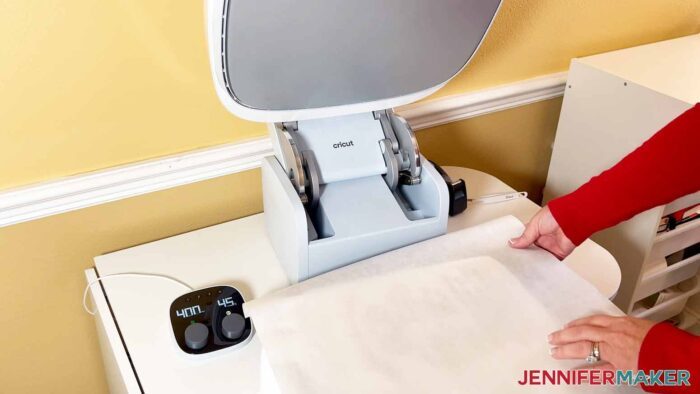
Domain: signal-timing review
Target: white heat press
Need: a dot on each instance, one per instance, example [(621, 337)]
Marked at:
[(347, 180)]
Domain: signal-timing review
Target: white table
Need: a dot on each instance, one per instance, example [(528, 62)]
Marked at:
[(138, 347)]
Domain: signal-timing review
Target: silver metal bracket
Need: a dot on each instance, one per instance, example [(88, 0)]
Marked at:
[(392, 165), (383, 118), (291, 160), (313, 184), (290, 126), (400, 150), (410, 172), (299, 163)]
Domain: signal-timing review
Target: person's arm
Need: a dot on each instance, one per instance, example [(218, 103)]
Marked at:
[(666, 347), (664, 168)]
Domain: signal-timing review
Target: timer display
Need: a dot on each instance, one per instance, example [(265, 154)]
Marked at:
[(227, 302)]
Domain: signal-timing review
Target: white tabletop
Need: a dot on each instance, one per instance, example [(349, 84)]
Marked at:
[(238, 253), (590, 260)]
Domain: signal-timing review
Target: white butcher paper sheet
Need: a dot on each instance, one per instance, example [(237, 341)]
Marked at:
[(461, 313)]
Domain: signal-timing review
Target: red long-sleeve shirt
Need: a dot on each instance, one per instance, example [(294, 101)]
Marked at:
[(664, 168)]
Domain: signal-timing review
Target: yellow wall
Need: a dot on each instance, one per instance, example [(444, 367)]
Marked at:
[(536, 37), (513, 145), (91, 84), (86, 85)]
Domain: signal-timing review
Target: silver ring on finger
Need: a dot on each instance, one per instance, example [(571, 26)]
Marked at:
[(594, 355)]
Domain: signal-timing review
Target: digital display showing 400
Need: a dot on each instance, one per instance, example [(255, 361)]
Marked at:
[(189, 312), (197, 309)]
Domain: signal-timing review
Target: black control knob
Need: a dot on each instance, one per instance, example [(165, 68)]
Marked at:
[(196, 336), (232, 326)]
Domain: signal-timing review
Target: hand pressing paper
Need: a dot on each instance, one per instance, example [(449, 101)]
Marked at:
[(463, 325)]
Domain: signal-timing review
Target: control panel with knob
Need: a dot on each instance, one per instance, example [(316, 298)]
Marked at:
[(210, 319)]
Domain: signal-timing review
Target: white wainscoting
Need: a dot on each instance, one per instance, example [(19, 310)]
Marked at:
[(111, 184)]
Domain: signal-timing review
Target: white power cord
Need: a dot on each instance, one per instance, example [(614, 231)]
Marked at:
[(131, 275), (498, 197)]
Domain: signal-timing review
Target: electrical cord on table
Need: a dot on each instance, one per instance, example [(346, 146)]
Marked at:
[(131, 275)]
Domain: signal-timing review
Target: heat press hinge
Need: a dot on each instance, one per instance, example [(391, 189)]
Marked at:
[(300, 164), (400, 150)]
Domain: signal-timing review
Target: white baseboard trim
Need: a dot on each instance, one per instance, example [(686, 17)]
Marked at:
[(450, 109), (116, 183)]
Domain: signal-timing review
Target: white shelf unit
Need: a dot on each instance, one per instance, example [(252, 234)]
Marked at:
[(613, 103), (690, 318)]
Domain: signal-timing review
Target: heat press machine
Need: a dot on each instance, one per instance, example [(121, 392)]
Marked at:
[(347, 180)]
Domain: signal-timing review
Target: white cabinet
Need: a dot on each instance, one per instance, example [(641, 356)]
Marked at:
[(613, 103), (139, 351)]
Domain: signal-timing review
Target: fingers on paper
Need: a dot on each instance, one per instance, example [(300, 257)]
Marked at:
[(584, 332), (528, 237)]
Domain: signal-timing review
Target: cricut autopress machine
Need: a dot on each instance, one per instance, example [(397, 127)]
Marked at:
[(347, 180)]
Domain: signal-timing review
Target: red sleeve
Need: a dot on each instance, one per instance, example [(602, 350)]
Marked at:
[(666, 347), (664, 168)]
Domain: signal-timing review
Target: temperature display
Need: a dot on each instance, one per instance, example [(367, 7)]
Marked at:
[(189, 312)]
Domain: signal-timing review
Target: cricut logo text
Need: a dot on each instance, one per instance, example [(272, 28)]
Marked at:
[(343, 144)]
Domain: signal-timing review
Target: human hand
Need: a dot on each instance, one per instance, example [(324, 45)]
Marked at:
[(544, 231), (620, 340)]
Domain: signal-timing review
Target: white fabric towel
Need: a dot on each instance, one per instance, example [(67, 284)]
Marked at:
[(459, 313)]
